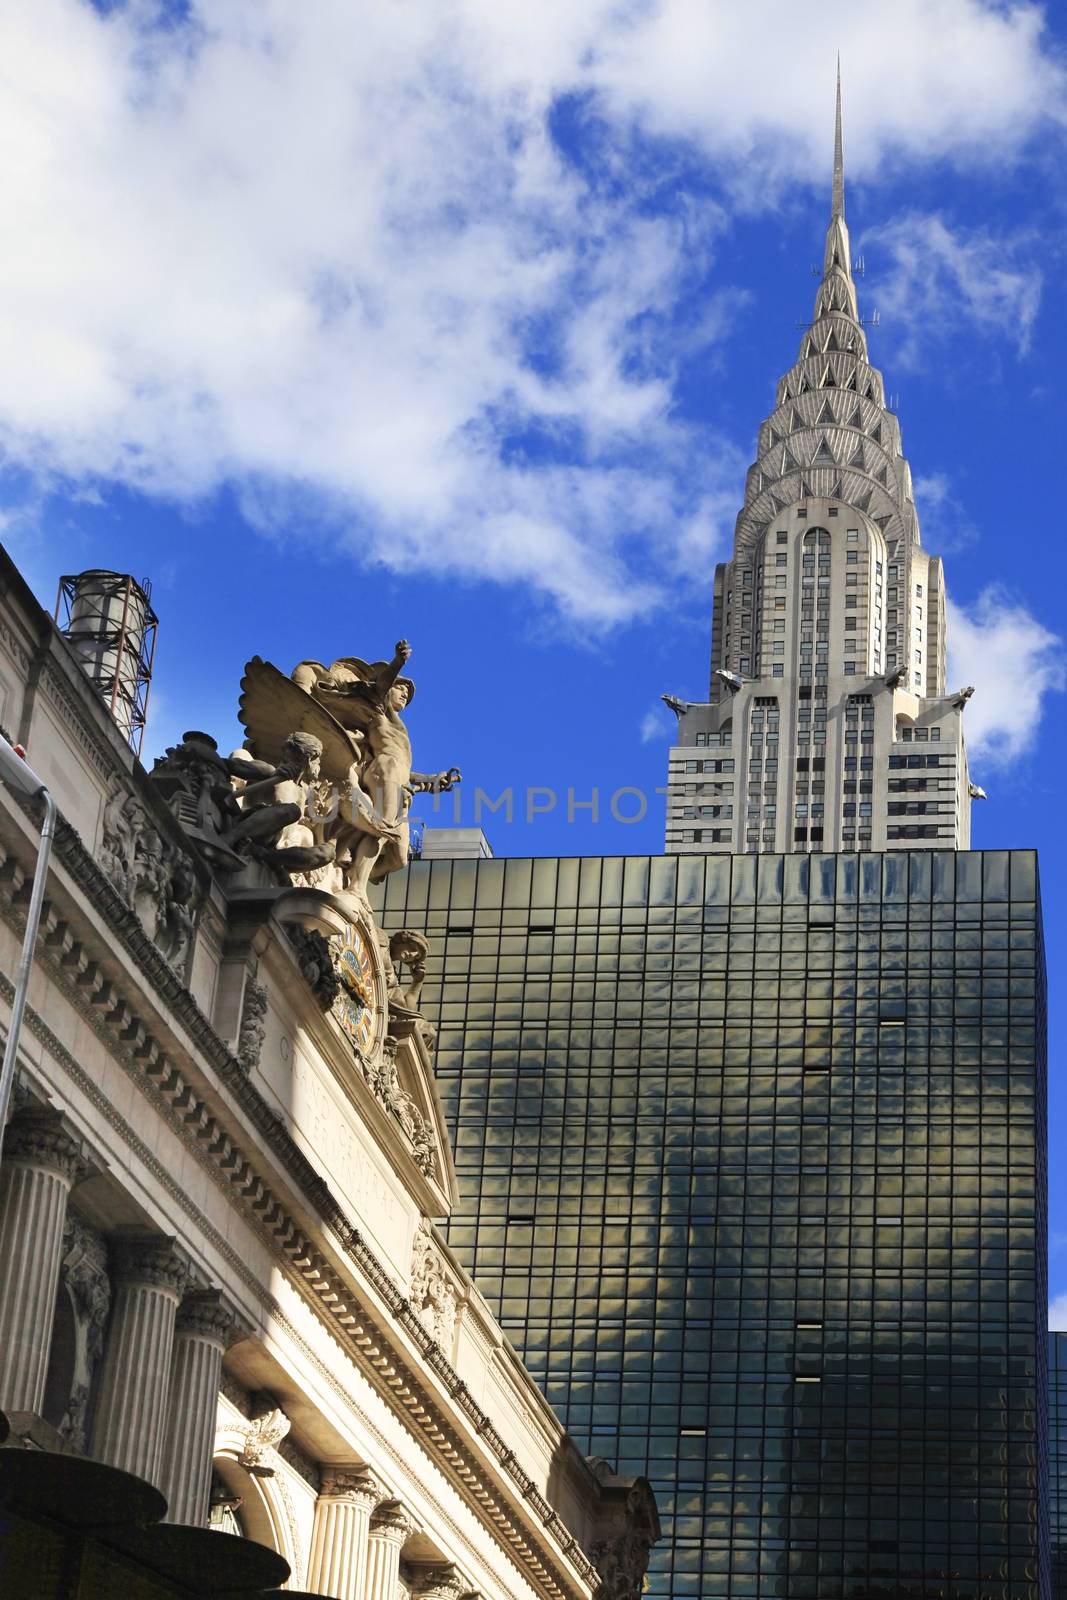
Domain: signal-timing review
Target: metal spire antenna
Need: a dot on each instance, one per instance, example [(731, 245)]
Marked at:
[(838, 207)]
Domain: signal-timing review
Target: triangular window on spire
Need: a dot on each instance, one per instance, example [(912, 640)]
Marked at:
[(796, 421), (838, 491), (776, 438), (812, 350), (829, 381), (877, 434), (851, 384), (805, 386), (883, 476), (789, 461), (826, 415), (831, 343), (806, 490), (824, 453), (883, 522), (869, 391), (864, 500), (856, 419), (858, 459)]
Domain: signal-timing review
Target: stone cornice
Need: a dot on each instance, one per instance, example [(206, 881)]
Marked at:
[(75, 957)]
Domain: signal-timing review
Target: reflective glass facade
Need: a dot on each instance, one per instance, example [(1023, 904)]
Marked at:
[(751, 1152), (1057, 1497)]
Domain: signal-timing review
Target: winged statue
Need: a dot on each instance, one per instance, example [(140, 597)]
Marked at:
[(332, 742)]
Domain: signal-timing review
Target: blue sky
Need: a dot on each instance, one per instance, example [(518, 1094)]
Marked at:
[(456, 321)]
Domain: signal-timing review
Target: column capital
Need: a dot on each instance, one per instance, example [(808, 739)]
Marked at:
[(35, 1137), (392, 1523), (205, 1315), (351, 1483), (149, 1261), (439, 1583)]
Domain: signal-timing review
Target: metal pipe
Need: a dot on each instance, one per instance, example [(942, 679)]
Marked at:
[(18, 774)]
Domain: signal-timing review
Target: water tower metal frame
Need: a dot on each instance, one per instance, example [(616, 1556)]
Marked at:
[(122, 625)]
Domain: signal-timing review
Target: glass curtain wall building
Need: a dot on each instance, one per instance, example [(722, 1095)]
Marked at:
[(1057, 1421), (751, 1153)]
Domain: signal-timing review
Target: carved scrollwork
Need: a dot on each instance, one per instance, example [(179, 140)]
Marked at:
[(262, 1437), (316, 963), (253, 1023), (431, 1293), (84, 1276)]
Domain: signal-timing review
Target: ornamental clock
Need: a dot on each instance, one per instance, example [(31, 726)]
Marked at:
[(358, 1007)]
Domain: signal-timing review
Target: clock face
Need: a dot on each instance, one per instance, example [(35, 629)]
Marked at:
[(356, 1007)]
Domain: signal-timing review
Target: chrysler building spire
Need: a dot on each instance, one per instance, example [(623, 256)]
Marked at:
[(828, 630), (838, 207)]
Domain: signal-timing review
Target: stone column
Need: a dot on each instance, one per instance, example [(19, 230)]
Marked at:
[(338, 1562), (389, 1528), (203, 1329), (131, 1410), (40, 1165)]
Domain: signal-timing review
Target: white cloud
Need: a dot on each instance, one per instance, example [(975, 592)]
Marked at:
[(946, 525), (657, 723), (940, 279), (1057, 1314), (1014, 661), (330, 255)]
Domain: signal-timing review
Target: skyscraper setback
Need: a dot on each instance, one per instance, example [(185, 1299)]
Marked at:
[(829, 724)]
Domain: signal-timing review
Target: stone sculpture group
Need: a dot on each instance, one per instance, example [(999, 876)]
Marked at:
[(317, 797)]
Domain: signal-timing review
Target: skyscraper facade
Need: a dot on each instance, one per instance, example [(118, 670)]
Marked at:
[(1057, 1486), (751, 1161), (829, 724)]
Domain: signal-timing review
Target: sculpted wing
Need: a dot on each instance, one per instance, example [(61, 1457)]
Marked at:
[(272, 707)]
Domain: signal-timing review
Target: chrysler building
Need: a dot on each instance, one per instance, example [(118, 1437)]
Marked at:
[(829, 725)]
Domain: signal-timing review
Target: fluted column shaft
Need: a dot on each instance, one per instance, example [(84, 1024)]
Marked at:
[(131, 1410), (40, 1165), (389, 1528), (338, 1562), (203, 1329)]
